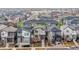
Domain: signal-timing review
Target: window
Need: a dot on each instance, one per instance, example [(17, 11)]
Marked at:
[(67, 36), (9, 40), (67, 31), (26, 40), (11, 34), (73, 36), (36, 31), (26, 34)]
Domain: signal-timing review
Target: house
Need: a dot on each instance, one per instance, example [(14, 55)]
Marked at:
[(40, 26), (24, 34), (55, 35), (41, 35), (8, 34), (69, 32)]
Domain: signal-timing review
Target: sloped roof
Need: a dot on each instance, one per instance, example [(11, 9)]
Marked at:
[(71, 27), (43, 21), (45, 17), (26, 29), (27, 24), (54, 29), (2, 26), (75, 21), (71, 17), (10, 29)]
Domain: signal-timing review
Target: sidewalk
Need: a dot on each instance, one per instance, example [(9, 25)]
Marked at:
[(53, 47)]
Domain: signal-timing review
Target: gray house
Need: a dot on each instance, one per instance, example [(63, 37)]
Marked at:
[(55, 35), (8, 35)]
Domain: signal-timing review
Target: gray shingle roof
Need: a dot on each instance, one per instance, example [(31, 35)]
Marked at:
[(54, 29), (10, 29), (43, 21), (75, 21), (71, 17), (27, 24)]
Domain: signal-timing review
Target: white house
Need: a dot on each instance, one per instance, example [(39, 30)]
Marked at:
[(68, 32), (23, 37), (2, 34), (26, 34)]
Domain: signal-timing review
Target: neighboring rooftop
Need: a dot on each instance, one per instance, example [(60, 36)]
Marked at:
[(71, 17), (54, 29)]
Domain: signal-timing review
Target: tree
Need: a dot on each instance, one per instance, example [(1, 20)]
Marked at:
[(21, 24), (59, 24)]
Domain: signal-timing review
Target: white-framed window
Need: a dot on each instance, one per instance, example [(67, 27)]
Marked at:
[(9, 40), (26, 40), (25, 33), (67, 30)]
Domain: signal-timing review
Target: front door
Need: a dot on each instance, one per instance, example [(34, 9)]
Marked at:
[(26, 40), (26, 37)]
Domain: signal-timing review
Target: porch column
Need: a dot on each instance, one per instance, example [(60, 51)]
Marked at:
[(7, 45), (42, 40), (20, 45), (43, 43), (20, 42)]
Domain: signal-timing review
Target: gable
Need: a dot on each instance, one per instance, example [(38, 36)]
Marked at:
[(68, 30)]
